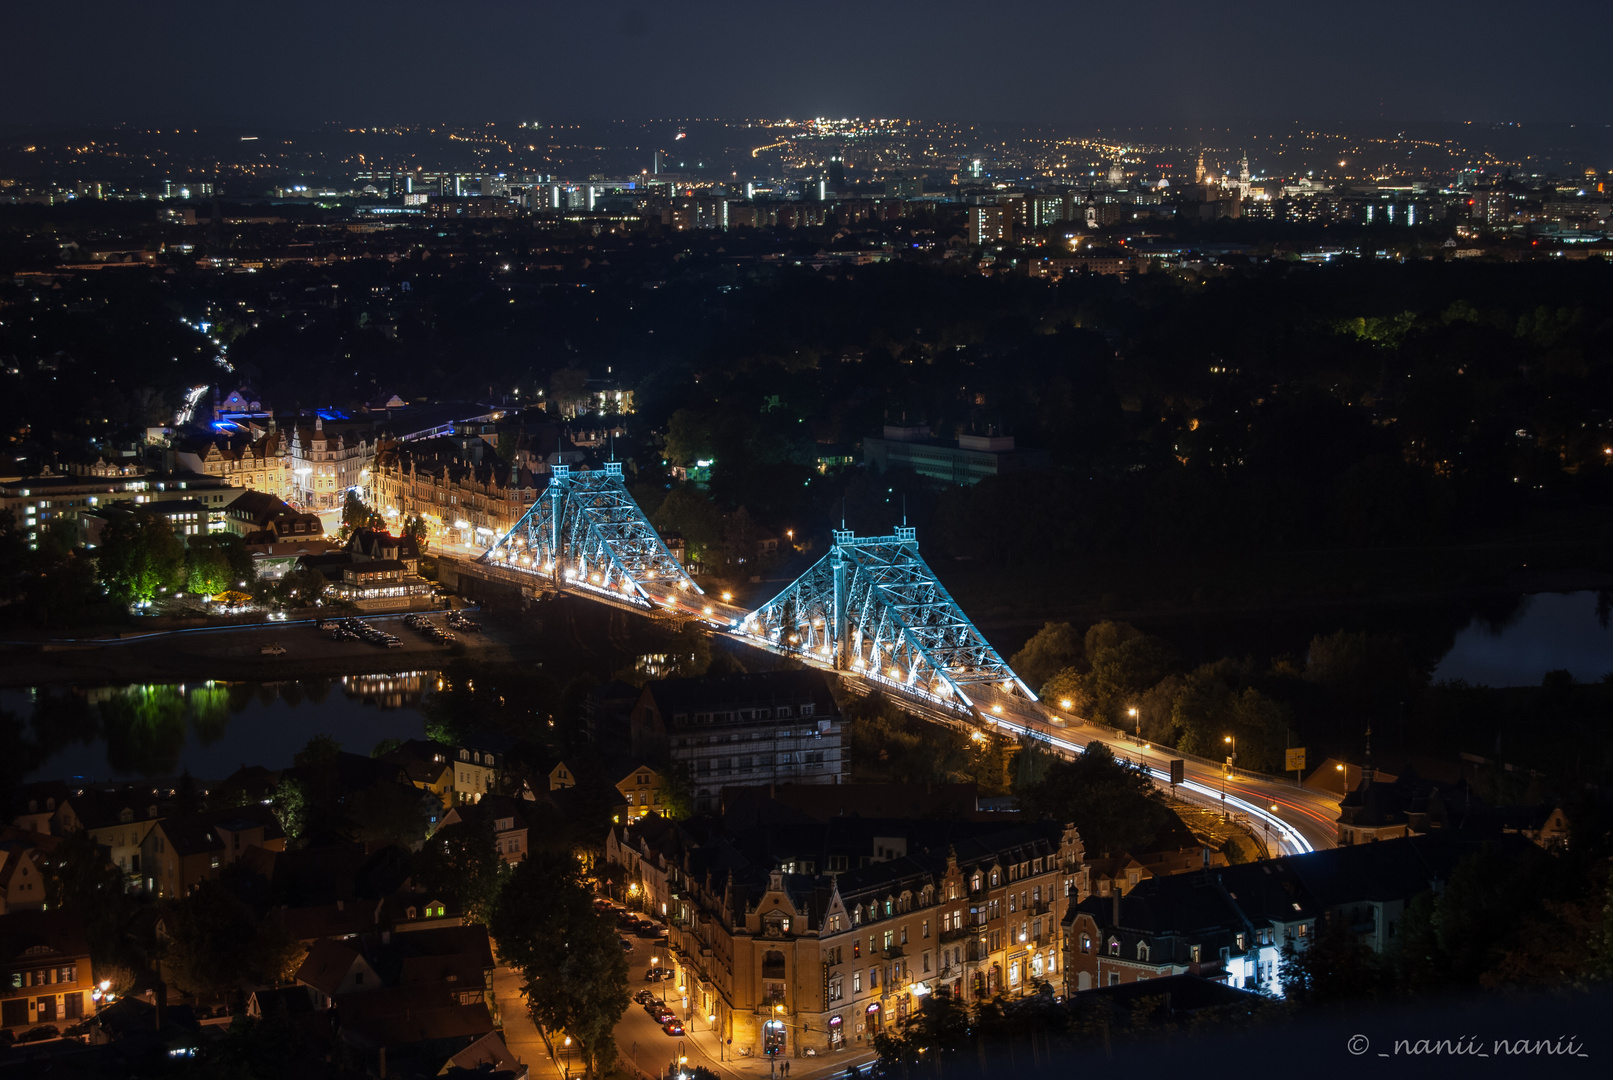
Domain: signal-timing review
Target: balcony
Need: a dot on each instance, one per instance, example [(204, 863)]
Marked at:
[(957, 933), (769, 971)]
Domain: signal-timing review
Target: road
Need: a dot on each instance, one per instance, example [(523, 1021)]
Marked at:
[(1300, 820), (1296, 819)]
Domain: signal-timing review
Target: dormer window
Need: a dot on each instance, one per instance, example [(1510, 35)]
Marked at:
[(1114, 946), (1142, 951)]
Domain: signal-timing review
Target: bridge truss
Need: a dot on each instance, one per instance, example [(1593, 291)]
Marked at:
[(874, 607), (585, 532)]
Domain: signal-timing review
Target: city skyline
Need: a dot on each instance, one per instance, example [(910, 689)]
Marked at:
[(1040, 61)]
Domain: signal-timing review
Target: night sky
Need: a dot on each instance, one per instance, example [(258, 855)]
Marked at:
[(1044, 61)]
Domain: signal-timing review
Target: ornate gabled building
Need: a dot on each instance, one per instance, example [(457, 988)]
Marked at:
[(816, 935), (470, 502), (260, 464), (324, 465)]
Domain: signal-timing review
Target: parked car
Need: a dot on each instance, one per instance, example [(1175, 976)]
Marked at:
[(672, 1027), (272, 650), (643, 997), (627, 946), (664, 1015), (656, 974)]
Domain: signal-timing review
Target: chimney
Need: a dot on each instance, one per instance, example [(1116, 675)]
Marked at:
[(1114, 894)]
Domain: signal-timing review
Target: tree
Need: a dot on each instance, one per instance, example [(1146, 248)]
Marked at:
[(1213, 703), (568, 390), (216, 562), (81, 880), (387, 813), (140, 556), (303, 588), (1050, 650), (357, 514), (688, 438), (207, 939), (1113, 803), (263, 1048), (461, 861), (1337, 966), (568, 954), (678, 798), (415, 529)]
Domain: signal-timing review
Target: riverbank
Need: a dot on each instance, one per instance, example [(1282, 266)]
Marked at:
[(235, 653)]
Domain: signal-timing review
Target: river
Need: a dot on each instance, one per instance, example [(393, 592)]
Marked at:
[(1546, 632), (210, 729)]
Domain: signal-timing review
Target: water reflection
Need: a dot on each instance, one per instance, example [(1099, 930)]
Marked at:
[(156, 729), (1540, 633)]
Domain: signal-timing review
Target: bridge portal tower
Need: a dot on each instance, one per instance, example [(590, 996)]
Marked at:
[(873, 606), (585, 532)]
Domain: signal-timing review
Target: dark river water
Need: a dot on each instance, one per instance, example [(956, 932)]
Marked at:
[(212, 729)]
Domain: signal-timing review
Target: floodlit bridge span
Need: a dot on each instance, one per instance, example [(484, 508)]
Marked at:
[(871, 607), (586, 533)]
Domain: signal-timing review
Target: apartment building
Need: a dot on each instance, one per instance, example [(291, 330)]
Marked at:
[(816, 936), (470, 502), (766, 727), (325, 465)]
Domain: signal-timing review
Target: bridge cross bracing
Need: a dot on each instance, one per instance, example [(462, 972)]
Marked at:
[(873, 606), (585, 532)]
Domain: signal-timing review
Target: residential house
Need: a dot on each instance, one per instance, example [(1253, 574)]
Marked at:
[(22, 870), (179, 853), (1186, 924), (45, 972), (428, 765), (261, 517), (641, 784), (333, 968), (509, 822), (118, 820)]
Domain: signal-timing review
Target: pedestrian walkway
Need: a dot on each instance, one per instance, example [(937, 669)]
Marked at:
[(520, 1033)]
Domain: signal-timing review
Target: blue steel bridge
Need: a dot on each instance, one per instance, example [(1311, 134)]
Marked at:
[(870, 608)]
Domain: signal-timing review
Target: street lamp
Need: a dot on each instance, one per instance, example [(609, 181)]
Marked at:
[(1226, 769), (1137, 716)]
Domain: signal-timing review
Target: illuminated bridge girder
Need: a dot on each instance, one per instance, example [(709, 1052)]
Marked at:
[(585, 532), (872, 606)]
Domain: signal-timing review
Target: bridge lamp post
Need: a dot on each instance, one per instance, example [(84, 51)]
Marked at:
[(1137, 716), (1231, 760)]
